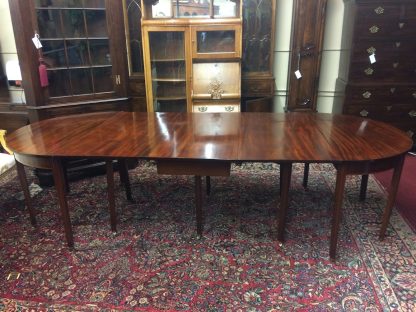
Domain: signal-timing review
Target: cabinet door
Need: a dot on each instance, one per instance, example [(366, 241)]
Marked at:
[(166, 68), (216, 42), (83, 48)]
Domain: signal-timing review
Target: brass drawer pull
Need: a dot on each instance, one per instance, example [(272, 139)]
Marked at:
[(392, 90), (395, 64), (202, 109), (371, 50), (364, 113), (369, 71), (410, 133), (398, 44), (374, 29), (412, 113), (229, 108), (389, 107), (366, 94), (401, 25), (414, 95), (379, 10)]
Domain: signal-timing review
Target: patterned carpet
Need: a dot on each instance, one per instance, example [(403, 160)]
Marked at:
[(156, 262)]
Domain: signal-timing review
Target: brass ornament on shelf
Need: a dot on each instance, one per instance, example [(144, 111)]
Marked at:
[(364, 113), (379, 10), (369, 71), (215, 89), (367, 94), (229, 108), (202, 109), (374, 29), (412, 113), (371, 50)]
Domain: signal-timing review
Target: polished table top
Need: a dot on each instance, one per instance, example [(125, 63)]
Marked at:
[(296, 137)]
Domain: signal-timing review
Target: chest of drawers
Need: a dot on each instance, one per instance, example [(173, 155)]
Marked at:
[(378, 61)]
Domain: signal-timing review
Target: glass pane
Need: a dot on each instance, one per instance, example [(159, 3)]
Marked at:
[(59, 84), (100, 52), (167, 45), (96, 23), (134, 34), (103, 81), (162, 9), (215, 41), (77, 53), (169, 90), (81, 81), (94, 4), (174, 70), (189, 9), (257, 35), (59, 3), (74, 23), (225, 8), (169, 106), (53, 53), (49, 23)]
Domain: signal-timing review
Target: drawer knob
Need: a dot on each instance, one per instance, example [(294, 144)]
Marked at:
[(374, 29), (392, 90), (367, 94), (202, 109), (371, 50), (401, 25), (412, 113), (398, 44), (379, 10), (229, 108), (389, 107), (369, 71), (410, 133), (364, 113)]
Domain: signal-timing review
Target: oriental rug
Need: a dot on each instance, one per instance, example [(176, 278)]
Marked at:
[(156, 262)]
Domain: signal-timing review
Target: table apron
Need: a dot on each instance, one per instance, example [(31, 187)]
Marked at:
[(193, 167)]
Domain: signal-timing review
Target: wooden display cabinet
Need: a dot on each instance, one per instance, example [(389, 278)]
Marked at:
[(192, 55)]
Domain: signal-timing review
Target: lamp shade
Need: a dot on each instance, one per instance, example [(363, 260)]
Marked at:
[(13, 70)]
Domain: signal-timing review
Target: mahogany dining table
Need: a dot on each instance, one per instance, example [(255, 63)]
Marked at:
[(205, 144)]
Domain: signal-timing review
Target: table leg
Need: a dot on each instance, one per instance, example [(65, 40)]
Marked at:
[(23, 183), (59, 179), (363, 187), (285, 175), (124, 177), (394, 186), (337, 210), (198, 205), (110, 194), (305, 175), (208, 182)]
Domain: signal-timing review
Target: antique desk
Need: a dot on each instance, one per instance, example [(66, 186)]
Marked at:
[(206, 144)]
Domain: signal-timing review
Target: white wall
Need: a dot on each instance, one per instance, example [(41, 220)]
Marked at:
[(8, 47), (330, 54)]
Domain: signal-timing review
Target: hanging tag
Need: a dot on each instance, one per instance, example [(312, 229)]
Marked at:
[(36, 41), (372, 58), (298, 74)]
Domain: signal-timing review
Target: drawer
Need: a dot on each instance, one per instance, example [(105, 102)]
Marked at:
[(379, 29), (389, 72), (386, 11), (390, 113), (257, 87), (363, 49), (137, 87), (383, 94), (216, 107)]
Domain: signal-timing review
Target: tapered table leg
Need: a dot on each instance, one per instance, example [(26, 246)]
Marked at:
[(23, 183), (124, 177), (394, 186), (285, 175), (337, 210), (363, 187), (208, 182), (198, 205), (59, 179), (305, 175), (110, 194)]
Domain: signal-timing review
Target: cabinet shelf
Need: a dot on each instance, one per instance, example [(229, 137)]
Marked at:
[(170, 79), (170, 98), (168, 60)]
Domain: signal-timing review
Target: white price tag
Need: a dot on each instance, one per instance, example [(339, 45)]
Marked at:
[(36, 41), (372, 58), (298, 74)]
